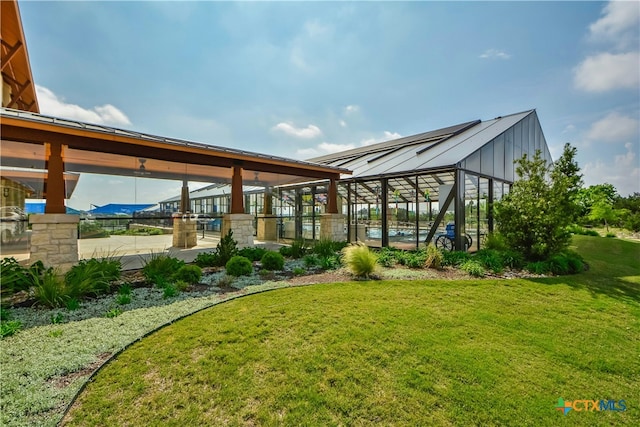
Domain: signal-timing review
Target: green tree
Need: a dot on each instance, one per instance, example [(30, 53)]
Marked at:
[(602, 210), (587, 197), (534, 215)]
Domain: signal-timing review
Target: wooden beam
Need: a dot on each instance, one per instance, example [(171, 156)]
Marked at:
[(12, 50), (16, 96)]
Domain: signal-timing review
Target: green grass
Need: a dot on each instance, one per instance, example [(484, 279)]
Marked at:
[(465, 352)]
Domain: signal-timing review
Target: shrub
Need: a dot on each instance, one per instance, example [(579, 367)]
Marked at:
[(360, 260), (92, 276), (575, 261), (495, 241), (387, 257), (473, 268), (610, 235), (434, 257), (160, 268), (9, 328), (124, 289), (490, 259), (327, 247), (17, 278), (252, 253), (181, 285), (72, 304), (227, 248), (189, 273), (272, 261), (298, 271), (123, 299), (169, 291), (311, 261), (454, 258), (207, 259), (558, 264), (414, 259), (92, 230), (538, 267), (286, 251), (297, 249), (331, 262), (576, 229), (5, 314), (534, 215), (51, 290), (225, 281), (512, 259), (239, 266)]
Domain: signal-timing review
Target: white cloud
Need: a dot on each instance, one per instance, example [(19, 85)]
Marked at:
[(51, 104), (619, 24), (387, 136), (324, 148), (606, 71), (569, 129), (623, 172), (351, 109), (495, 54), (309, 132), (613, 128), (343, 123)]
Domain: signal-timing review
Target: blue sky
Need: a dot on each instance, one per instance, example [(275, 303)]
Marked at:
[(301, 79)]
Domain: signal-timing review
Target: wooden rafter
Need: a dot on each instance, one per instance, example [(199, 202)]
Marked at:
[(11, 51)]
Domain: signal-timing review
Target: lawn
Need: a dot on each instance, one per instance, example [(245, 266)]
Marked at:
[(462, 352)]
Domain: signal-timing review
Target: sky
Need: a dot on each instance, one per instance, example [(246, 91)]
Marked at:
[(302, 79)]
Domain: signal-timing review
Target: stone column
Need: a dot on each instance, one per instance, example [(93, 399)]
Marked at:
[(266, 228), (242, 227), (332, 227), (185, 233), (54, 240)]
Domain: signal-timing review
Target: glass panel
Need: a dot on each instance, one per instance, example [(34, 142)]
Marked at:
[(285, 210), (486, 163), (473, 162), (483, 214), (498, 156), (471, 209), (366, 220), (402, 225), (509, 155), (308, 220)]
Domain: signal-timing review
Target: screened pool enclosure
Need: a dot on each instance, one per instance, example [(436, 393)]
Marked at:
[(436, 186)]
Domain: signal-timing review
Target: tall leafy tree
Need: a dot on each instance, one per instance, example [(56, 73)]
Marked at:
[(534, 215)]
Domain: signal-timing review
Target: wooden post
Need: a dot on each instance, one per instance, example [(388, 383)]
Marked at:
[(185, 203), (332, 197), (237, 196), (54, 185)]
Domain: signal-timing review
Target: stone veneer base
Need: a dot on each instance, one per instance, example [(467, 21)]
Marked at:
[(54, 240)]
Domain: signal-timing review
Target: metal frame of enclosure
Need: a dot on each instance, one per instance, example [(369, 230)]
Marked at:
[(436, 186)]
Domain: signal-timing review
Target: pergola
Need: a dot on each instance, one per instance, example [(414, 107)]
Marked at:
[(34, 141)]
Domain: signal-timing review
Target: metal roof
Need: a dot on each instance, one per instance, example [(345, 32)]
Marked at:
[(439, 149)]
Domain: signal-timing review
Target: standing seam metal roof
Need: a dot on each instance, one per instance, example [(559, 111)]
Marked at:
[(441, 148)]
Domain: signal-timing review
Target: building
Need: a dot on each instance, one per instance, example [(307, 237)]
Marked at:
[(436, 186)]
